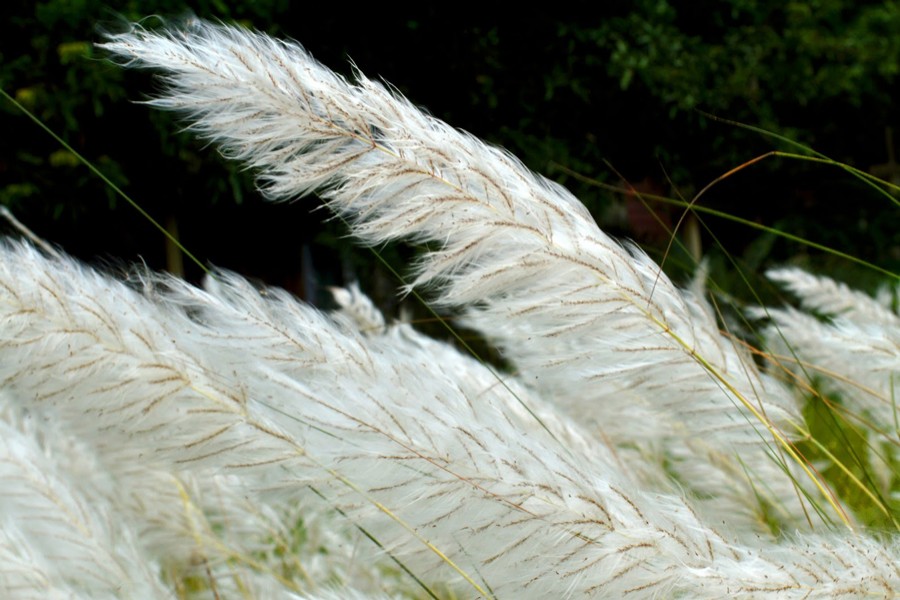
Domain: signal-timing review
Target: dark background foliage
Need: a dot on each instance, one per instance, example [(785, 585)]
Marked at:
[(618, 92)]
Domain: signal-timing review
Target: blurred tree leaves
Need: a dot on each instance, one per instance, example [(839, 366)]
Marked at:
[(618, 83)]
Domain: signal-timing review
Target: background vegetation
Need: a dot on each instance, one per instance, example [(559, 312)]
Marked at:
[(617, 92)]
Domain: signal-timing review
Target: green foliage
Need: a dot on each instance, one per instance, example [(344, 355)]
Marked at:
[(824, 73), (612, 92), (846, 450), (50, 65), (753, 61)]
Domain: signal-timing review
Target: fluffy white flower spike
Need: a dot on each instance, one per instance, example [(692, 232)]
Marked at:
[(438, 464), (586, 321), (846, 339)]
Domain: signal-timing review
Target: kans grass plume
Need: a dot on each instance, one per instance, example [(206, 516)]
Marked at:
[(588, 322), (232, 443)]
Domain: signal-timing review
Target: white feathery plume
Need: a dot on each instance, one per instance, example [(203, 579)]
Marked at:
[(857, 351), (828, 297), (85, 519), (90, 324), (888, 295), (854, 352), (93, 356), (87, 352), (59, 535), (462, 488), (592, 325), (359, 308), (23, 574)]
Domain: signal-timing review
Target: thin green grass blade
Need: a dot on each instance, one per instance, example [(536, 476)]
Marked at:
[(105, 179)]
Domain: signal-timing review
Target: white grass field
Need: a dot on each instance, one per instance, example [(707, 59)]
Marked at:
[(164, 441)]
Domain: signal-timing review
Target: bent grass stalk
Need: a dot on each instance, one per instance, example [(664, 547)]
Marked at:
[(699, 209), (812, 155), (106, 180), (693, 206)]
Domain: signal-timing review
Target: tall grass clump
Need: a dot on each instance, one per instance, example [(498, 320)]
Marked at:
[(161, 440)]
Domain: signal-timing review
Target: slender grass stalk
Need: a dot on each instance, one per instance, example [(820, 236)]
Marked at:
[(879, 185), (96, 171), (699, 208)]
